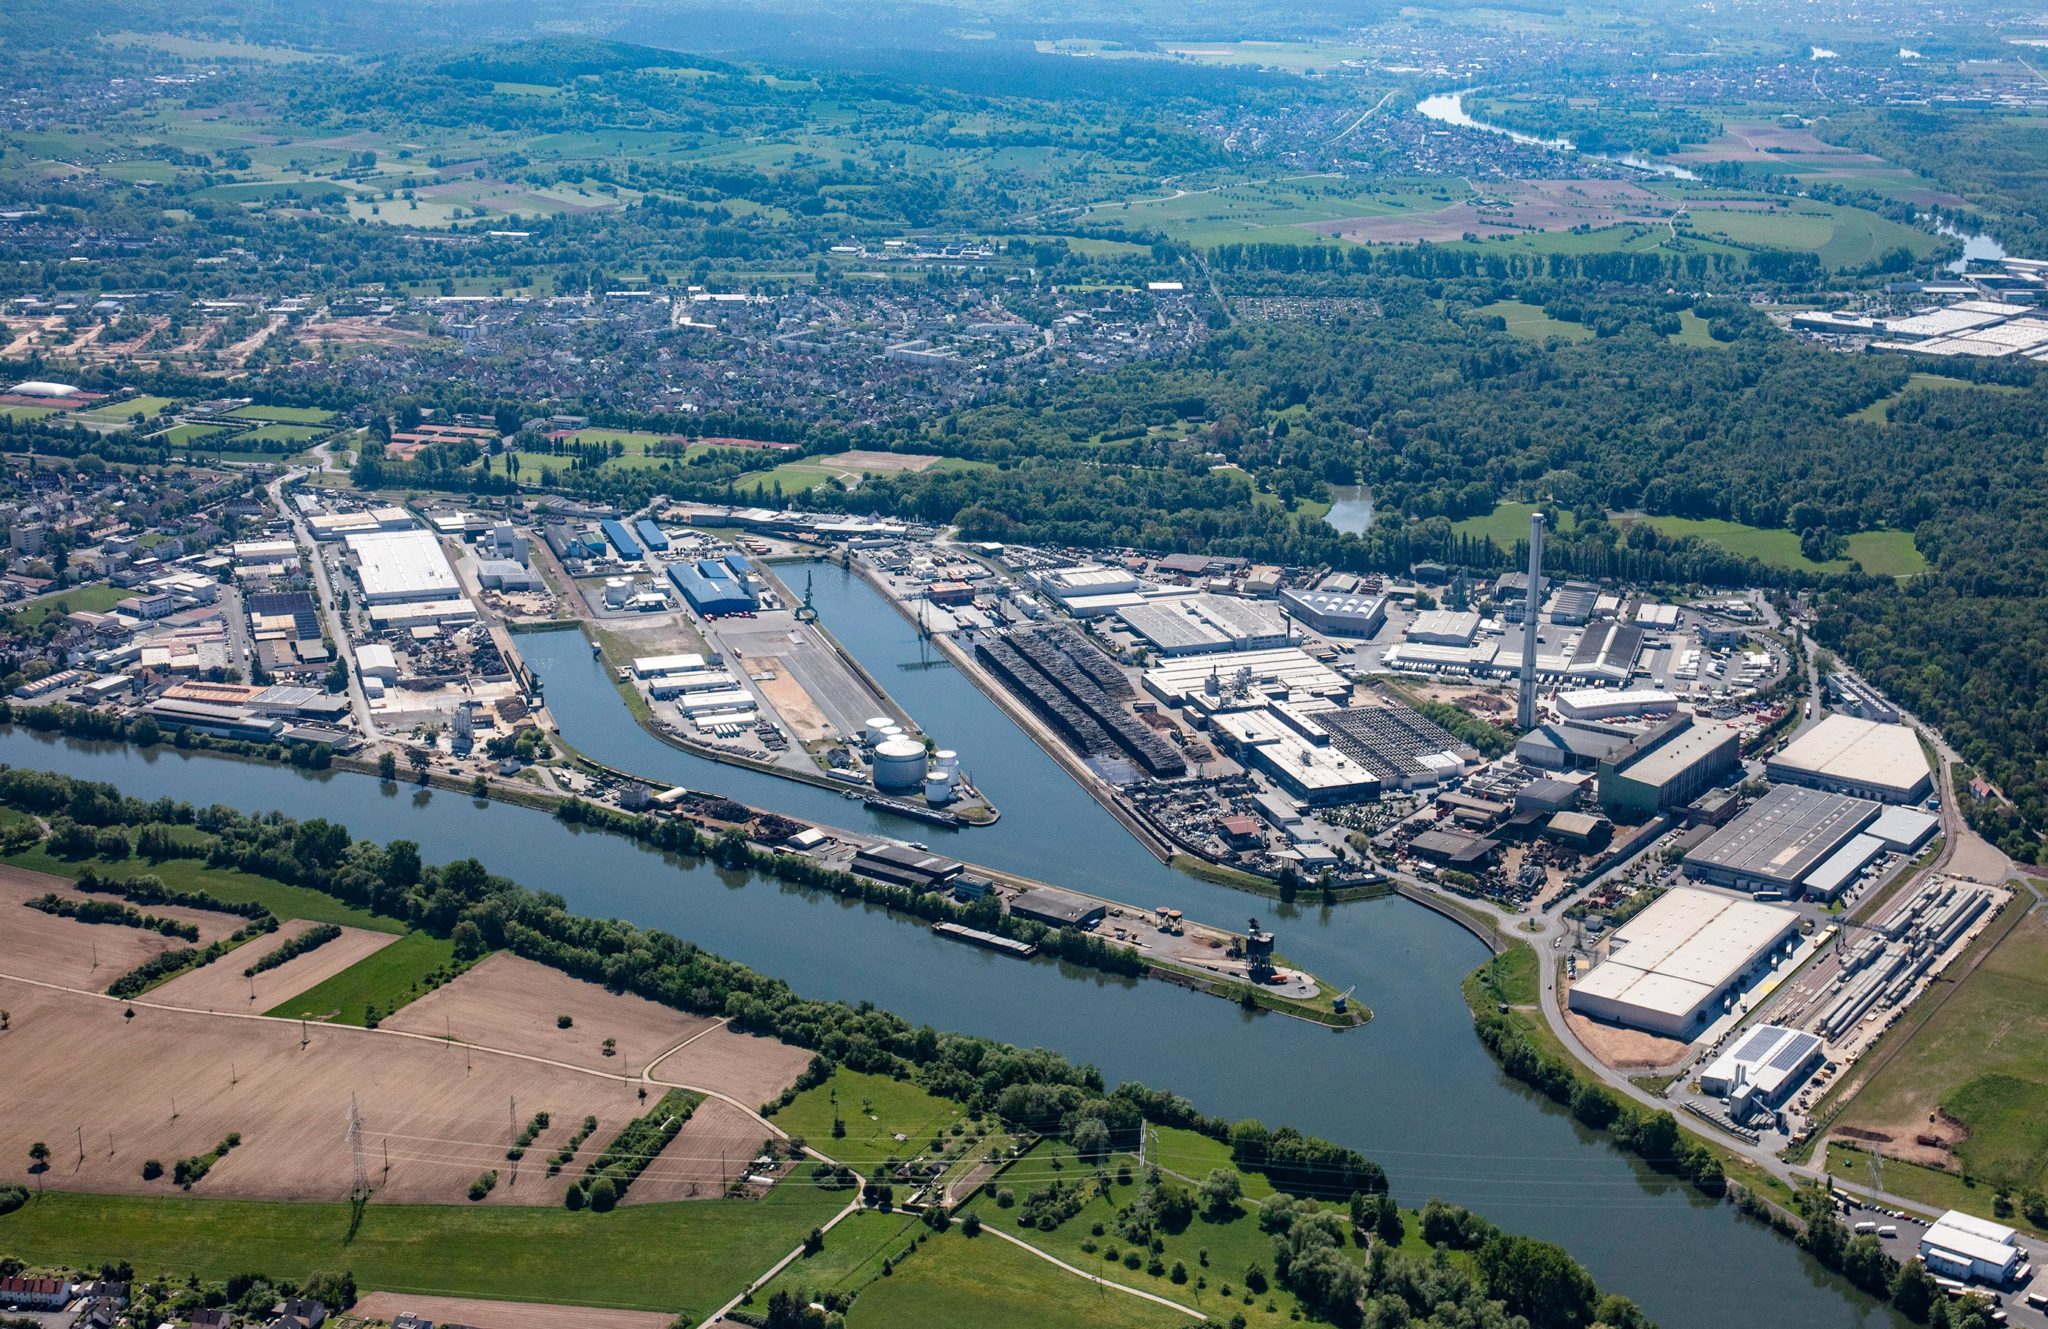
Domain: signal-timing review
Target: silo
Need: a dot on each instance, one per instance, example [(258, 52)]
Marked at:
[(938, 788), (946, 761), (876, 729), (899, 764)]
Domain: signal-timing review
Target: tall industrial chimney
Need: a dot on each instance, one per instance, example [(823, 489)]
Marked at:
[(1525, 715)]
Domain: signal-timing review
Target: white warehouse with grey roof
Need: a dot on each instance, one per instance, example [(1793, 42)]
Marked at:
[(1681, 963)]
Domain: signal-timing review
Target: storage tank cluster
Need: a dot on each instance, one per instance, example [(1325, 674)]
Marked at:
[(1922, 929), (899, 764)]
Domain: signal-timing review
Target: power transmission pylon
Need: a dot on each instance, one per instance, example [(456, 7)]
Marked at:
[(359, 1190)]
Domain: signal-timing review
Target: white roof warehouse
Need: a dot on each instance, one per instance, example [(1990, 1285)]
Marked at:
[(398, 567)]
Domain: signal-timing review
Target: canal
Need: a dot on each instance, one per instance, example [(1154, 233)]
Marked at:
[(1413, 1089)]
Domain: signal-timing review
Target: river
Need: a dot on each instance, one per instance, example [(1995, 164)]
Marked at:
[(1412, 1089), (1449, 108)]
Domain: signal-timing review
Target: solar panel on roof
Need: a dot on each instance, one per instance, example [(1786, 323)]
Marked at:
[(1753, 1046), (1796, 1049)]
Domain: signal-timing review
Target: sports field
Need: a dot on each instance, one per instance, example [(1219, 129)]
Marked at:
[(288, 415), (121, 411), (96, 598), (848, 468)]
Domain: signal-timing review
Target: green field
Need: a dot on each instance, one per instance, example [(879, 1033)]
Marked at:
[(1842, 237), (1530, 321), (289, 415), (1982, 1057), (874, 1110), (986, 1282), (95, 598), (282, 434), (688, 1257), (121, 411), (1276, 211), (1882, 553), (26, 414), (181, 436), (852, 1257), (808, 473), (1692, 331), (388, 980), (1185, 1158), (1879, 412), (236, 887), (1509, 522)]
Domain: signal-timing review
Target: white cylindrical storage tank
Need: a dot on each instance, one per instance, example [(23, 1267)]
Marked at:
[(899, 764), (946, 760), (876, 729), (938, 788)]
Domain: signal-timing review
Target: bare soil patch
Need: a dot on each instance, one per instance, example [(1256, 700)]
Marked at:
[(713, 1148), (513, 1003), (1625, 1049), (220, 986), (796, 706), (41, 946), (440, 1115), (503, 1314), (861, 460), (752, 1069)]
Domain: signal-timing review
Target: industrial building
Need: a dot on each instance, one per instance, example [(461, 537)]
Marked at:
[(622, 540), (919, 869), (503, 574), (1667, 767), (1299, 756), (1573, 604), (1211, 682), (1443, 627), (1573, 745), (1966, 1248), (1337, 615), (1679, 964), (1782, 838), (1057, 908), (1765, 1067), (1606, 652), (711, 588), (1454, 849), (1198, 624), (401, 567), (1398, 746), (651, 536), (1609, 704), (340, 525), (1845, 755)]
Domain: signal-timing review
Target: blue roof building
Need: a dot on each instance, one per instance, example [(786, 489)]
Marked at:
[(622, 540), (650, 535)]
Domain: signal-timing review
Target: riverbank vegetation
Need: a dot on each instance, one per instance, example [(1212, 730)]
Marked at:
[(471, 910)]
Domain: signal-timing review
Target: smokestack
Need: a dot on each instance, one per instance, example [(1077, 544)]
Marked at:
[(1525, 715)]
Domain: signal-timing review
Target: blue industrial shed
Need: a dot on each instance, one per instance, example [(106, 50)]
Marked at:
[(650, 535), (718, 594), (622, 539)]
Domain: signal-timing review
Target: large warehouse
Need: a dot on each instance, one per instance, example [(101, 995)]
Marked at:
[(711, 588), (1846, 755), (1678, 965), (1781, 840), (1669, 766), (399, 567), (1338, 615)]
